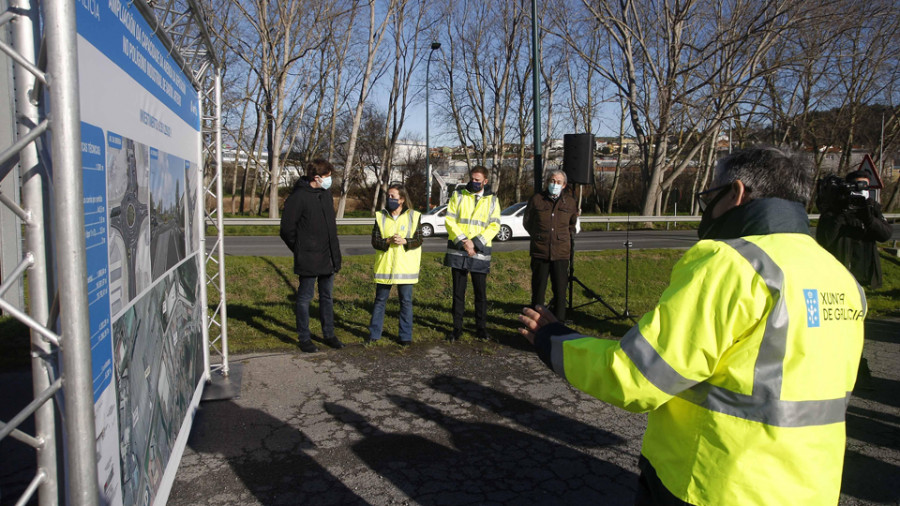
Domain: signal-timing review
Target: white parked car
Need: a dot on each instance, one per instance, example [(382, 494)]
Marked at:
[(511, 223), (433, 221)]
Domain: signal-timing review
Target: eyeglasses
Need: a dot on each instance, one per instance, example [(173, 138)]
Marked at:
[(709, 197)]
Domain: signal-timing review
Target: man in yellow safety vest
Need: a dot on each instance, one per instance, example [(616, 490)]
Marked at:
[(473, 219), (747, 362)]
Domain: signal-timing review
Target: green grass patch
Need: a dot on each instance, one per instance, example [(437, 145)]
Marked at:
[(261, 292)]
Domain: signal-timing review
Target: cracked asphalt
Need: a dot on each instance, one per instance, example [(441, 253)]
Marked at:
[(467, 423)]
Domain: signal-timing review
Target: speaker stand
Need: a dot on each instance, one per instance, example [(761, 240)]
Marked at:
[(590, 293)]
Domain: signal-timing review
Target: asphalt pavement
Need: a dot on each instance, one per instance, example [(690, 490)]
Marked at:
[(585, 241), (467, 423)]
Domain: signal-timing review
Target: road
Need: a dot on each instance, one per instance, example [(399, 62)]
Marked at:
[(585, 241)]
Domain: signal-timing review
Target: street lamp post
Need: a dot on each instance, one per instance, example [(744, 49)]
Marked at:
[(536, 93), (434, 46)]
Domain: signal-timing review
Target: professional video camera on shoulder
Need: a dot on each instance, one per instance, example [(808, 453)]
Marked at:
[(836, 194)]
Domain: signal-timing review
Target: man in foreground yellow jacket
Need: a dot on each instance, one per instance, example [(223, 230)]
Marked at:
[(747, 362)]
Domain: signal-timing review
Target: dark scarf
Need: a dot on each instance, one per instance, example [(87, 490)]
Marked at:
[(757, 217)]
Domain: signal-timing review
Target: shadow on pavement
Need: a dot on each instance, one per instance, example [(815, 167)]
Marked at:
[(870, 479), (484, 463), (487, 462), (266, 454), (524, 413)]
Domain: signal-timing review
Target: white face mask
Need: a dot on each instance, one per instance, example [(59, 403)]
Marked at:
[(864, 193), (555, 189), (326, 183)]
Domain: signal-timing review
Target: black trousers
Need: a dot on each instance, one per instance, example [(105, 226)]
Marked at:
[(479, 285), (558, 271), (651, 491)]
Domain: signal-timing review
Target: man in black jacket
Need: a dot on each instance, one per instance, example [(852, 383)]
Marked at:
[(309, 229), (849, 229)]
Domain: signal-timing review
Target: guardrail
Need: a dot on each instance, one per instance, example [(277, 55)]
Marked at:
[(584, 219)]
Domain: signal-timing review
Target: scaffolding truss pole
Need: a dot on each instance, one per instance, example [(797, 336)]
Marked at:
[(42, 49), (34, 213)]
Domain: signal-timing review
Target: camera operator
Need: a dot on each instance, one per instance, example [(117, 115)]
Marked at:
[(850, 224)]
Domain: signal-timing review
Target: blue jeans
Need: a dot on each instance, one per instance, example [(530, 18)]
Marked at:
[(326, 305), (406, 311)]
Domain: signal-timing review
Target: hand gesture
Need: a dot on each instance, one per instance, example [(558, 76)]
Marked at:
[(533, 320)]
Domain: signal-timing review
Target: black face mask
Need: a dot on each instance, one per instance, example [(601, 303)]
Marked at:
[(392, 204), (474, 186), (707, 221)]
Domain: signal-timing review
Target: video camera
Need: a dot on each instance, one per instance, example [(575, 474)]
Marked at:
[(835, 194)]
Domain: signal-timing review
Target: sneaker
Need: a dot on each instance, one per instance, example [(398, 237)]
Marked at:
[(334, 342), (307, 346)]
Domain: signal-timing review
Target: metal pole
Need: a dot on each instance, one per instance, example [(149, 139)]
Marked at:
[(201, 212), (881, 149), (434, 46), (536, 92), (35, 199), (220, 226), (81, 457)]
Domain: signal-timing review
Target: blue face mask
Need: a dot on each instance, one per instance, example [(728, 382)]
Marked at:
[(326, 183), (554, 189), (392, 204), (474, 186)]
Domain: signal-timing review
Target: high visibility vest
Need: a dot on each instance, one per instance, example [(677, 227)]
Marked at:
[(746, 366), (477, 221), (397, 265)]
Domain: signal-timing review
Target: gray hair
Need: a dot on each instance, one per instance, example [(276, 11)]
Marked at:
[(769, 172), (551, 173)]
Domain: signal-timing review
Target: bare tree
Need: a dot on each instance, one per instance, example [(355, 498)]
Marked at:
[(376, 33), (670, 59), (407, 27)]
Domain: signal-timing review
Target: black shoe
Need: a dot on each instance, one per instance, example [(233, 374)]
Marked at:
[(334, 342), (307, 346), (369, 341), (484, 336), (453, 336), (405, 343)]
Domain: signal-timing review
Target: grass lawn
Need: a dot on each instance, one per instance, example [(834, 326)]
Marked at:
[(261, 296), (262, 291)]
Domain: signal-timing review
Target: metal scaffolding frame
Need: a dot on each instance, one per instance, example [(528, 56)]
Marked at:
[(51, 209)]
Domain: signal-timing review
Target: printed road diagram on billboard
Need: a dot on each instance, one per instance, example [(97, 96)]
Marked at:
[(157, 368), (167, 213), (141, 159), (128, 179)]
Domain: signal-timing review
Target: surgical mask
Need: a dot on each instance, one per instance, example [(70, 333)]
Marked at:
[(326, 183), (555, 189), (392, 204), (474, 186)]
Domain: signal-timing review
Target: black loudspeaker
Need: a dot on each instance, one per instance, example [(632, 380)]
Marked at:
[(578, 158)]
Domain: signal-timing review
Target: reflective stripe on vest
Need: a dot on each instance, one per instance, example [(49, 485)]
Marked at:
[(764, 404)]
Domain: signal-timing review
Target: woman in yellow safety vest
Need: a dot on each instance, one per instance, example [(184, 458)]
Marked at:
[(397, 239)]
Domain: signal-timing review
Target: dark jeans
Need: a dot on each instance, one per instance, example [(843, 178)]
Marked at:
[(479, 285), (382, 292), (558, 271), (326, 305)]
